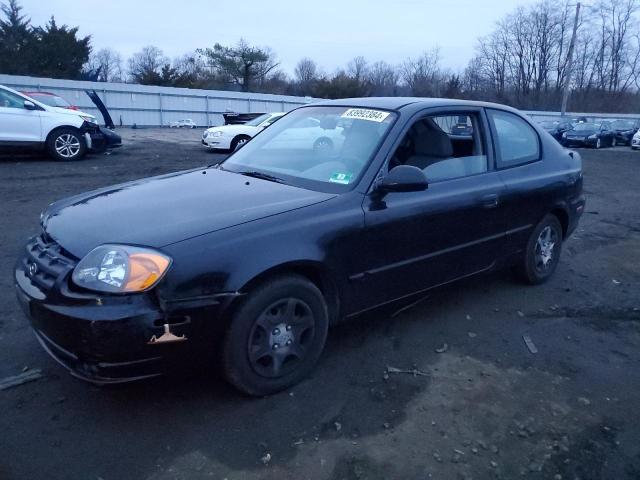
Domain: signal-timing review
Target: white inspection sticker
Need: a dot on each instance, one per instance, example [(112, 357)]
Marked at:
[(365, 114)]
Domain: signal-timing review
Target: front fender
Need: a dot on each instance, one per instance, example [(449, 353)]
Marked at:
[(319, 238)]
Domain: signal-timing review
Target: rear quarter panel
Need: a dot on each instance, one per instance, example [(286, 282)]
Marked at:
[(552, 184)]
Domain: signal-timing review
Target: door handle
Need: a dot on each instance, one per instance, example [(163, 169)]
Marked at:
[(489, 201)]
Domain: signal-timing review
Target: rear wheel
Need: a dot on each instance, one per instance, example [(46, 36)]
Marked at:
[(542, 253), (276, 336), (66, 144)]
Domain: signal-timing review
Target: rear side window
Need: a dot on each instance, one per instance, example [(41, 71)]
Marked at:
[(516, 141)]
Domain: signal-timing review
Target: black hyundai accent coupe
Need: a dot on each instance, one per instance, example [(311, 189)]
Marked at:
[(251, 260)]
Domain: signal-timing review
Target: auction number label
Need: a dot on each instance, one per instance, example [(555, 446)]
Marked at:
[(365, 114)]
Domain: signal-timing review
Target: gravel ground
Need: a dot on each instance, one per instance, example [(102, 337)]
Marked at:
[(484, 408)]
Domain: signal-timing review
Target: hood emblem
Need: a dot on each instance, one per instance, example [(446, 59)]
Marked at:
[(33, 269), (166, 337)]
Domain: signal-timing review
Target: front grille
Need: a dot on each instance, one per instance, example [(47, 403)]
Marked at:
[(46, 261)]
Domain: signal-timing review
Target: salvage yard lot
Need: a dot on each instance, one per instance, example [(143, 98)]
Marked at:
[(478, 404)]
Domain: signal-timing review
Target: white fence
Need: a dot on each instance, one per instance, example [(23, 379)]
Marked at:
[(145, 105), (594, 117)]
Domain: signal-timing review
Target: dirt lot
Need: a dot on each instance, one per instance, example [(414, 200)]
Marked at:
[(486, 408)]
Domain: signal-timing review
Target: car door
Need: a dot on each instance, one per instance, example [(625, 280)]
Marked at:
[(455, 228), (17, 123)]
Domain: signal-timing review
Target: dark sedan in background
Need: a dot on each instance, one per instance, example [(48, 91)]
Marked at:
[(248, 262), (624, 130), (556, 128), (588, 134)]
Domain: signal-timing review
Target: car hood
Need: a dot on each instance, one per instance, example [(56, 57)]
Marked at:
[(68, 111), (236, 129), (159, 211)]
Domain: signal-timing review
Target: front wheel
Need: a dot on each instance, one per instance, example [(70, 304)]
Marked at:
[(66, 144), (239, 142), (542, 252), (276, 336)]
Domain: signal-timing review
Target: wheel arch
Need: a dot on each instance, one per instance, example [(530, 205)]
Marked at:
[(561, 213), (313, 271), (324, 138), (240, 136), (63, 127)]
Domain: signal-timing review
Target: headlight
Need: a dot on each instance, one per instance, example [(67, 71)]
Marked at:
[(593, 137), (120, 269), (88, 119), (216, 134), (564, 135)]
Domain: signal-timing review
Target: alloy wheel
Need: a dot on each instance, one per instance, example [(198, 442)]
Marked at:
[(67, 145), (545, 249)]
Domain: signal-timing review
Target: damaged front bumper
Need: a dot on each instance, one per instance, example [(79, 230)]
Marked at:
[(107, 339), (99, 139)]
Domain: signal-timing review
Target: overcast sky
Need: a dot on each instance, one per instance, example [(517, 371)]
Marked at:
[(329, 31)]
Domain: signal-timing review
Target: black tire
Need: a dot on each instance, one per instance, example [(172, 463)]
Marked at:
[(532, 267), (66, 145), (239, 140), (295, 313)]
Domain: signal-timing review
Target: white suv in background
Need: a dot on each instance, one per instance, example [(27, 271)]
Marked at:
[(26, 123)]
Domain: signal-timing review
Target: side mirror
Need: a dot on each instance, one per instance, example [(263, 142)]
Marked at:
[(29, 105), (403, 178)]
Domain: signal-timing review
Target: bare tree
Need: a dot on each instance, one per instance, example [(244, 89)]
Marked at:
[(306, 71), (108, 65), (358, 68), (422, 74), (383, 78), (146, 65)]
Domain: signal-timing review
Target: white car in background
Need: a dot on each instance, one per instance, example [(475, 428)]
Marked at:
[(184, 123), (311, 134), (229, 137), (26, 123), (635, 141)]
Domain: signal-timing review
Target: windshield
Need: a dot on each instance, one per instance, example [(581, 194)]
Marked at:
[(320, 148), (258, 120), (585, 126)]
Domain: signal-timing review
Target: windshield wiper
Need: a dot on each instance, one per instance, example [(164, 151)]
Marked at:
[(261, 175)]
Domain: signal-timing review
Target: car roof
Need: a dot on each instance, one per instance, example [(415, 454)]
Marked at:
[(397, 103)]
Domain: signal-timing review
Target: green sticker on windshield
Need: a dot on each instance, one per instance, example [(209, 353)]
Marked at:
[(343, 178)]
